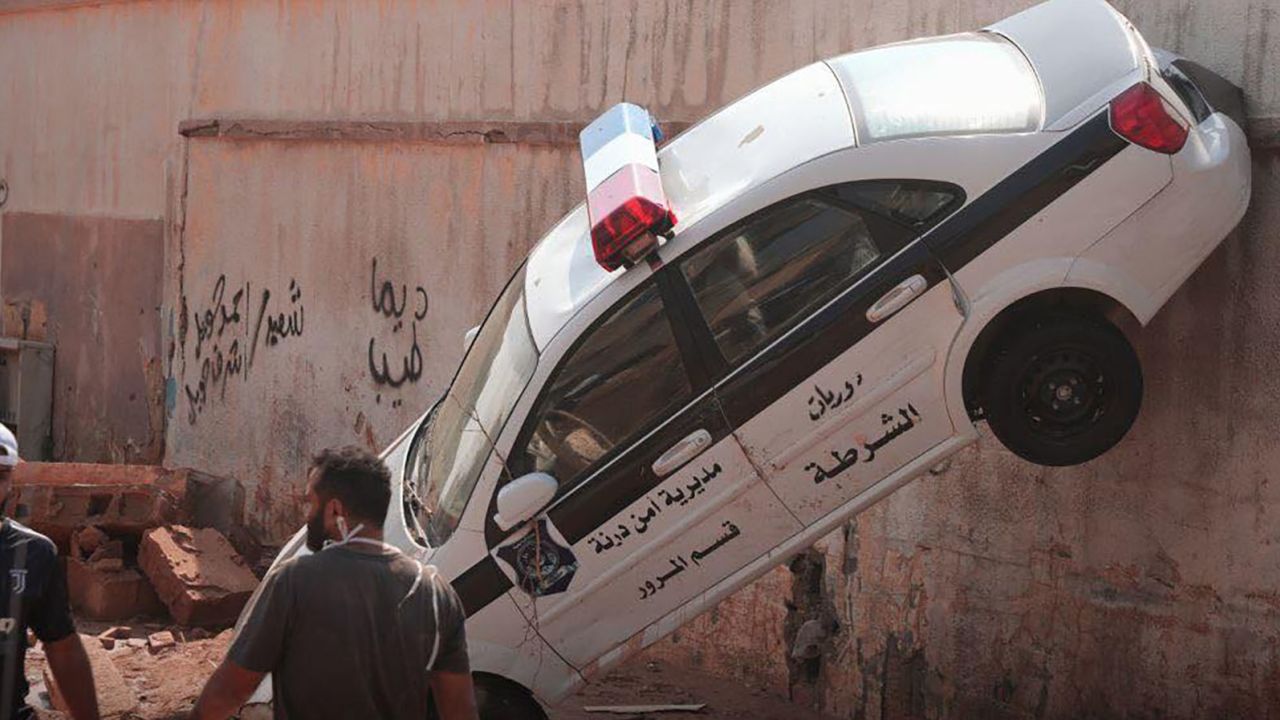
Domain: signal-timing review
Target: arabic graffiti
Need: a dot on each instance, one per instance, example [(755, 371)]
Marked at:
[(822, 400), (384, 299), (679, 564), (605, 539), (229, 333), (848, 457)]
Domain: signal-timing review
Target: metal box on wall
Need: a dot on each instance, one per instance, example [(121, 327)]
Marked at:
[(26, 395)]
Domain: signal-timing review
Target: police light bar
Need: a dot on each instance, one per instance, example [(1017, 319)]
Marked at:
[(626, 204)]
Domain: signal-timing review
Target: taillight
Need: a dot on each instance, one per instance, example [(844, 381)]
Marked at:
[(1143, 118)]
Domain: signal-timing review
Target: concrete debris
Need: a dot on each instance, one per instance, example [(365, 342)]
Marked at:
[(109, 636), (115, 698), (136, 642), (58, 499), (108, 591), (158, 641), (87, 540), (58, 510), (197, 574)]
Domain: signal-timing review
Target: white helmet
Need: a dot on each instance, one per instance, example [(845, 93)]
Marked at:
[(8, 447)]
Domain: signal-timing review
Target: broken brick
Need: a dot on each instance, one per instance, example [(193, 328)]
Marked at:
[(107, 564), (115, 698), (58, 509), (108, 550), (108, 643), (118, 594), (197, 574), (85, 541), (161, 640)]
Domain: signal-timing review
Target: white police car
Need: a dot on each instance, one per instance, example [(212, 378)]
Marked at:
[(860, 260)]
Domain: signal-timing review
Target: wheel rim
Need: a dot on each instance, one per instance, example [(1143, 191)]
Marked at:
[(1063, 392)]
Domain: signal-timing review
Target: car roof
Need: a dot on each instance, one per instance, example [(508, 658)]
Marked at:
[(786, 123), (807, 114)]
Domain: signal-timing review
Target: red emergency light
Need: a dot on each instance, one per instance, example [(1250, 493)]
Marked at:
[(626, 204)]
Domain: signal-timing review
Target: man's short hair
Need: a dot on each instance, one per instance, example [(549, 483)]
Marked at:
[(356, 477)]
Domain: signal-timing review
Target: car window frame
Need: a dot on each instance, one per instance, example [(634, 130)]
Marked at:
[(896, 235), (696, 373)]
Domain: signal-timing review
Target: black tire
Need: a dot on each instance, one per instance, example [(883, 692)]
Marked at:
[(499, 699), (1061, 390)]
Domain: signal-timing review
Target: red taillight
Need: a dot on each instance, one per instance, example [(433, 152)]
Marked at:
[(1141, 116)]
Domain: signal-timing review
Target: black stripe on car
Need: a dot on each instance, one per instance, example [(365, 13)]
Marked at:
[(480, 585), (835, 328), (1014, 200)]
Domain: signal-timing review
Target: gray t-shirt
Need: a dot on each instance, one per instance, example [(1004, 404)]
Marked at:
[(349, 634)]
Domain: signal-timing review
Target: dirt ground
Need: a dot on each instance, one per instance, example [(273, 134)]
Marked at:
[(165, 683), (651, 683)]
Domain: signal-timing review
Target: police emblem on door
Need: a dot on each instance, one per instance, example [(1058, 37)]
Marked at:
[(542, 566), (17, 581)]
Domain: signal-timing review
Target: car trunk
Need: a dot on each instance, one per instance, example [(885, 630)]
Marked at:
[(1080, 49)]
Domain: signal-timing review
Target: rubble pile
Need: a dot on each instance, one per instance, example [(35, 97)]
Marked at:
[(141, 671), (141, 541)]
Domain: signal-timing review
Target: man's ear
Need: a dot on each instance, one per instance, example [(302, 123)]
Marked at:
[(333, 509)]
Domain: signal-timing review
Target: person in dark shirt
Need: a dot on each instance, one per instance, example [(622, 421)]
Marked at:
[(35, 593), (357, 629)]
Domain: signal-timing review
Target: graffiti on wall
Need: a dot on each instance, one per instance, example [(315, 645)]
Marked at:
[(396, 305), (230, 330)]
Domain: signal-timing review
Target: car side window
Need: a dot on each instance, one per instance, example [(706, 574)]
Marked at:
[(622, 379), (915, 203), (764, 277)]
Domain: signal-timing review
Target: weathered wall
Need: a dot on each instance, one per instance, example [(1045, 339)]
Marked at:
[(338, 312), (1136, 585), (94, 285)]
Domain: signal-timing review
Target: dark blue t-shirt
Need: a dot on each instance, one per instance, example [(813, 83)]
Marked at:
[(34, 591)]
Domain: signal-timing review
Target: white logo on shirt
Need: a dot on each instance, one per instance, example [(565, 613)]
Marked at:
[(17, 581)]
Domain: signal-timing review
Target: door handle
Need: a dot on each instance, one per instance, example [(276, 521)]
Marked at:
[(682, 452), (897, 298)]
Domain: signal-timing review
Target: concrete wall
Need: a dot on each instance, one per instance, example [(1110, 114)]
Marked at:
[(1136, 585)]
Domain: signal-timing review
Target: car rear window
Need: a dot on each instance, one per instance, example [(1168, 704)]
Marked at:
[(956, 85)]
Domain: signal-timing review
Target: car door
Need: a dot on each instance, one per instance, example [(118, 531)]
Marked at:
[(656, 502), (832, 320)]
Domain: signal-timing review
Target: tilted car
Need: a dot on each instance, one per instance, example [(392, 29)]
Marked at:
[(859, 261)]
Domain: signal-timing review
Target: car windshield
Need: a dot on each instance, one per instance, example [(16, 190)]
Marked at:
[(455, 441)]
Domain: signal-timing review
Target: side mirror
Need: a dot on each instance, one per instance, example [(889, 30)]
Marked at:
[(469, 337), (523, 498)]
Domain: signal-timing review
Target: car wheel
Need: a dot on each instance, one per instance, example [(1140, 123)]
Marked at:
[(1062, 390), (499, 699), (503, 700)]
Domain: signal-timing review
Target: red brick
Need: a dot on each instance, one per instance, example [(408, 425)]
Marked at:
[(197, 574), (115, 698), (161, 640), (87, 540), (100, 594)]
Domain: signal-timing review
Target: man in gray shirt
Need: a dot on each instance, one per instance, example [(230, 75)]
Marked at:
[(355, 630)]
